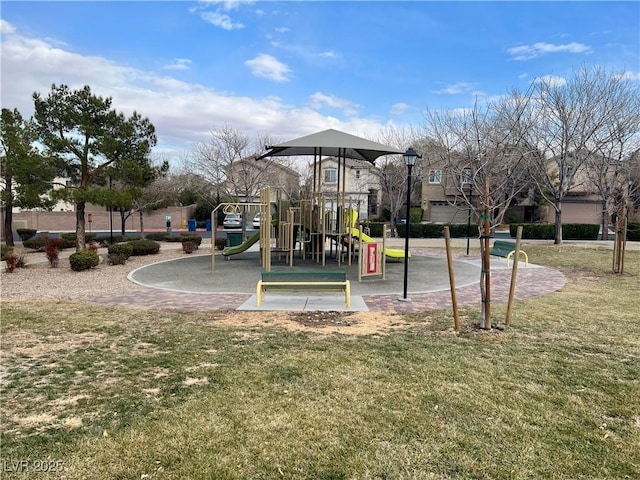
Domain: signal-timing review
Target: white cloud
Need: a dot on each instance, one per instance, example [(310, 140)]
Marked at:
[(282, 29), (179, 64), (399, 108), (528, 52), (628, 76), (319, 100), (182, 112), (6, 28), (552, 80), (269, 67), (456, 88), (221, 20)]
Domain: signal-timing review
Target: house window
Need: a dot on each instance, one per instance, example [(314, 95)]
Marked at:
[(357, 174), (330, 175), (435, 176), (467, 176)]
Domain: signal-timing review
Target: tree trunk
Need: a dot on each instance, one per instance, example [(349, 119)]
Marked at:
[(8, 221), (142, 223), (558, 222), (123, 221), (80, 241), (604, 223)]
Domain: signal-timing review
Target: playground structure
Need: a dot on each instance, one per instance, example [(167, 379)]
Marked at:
[(321, 216), (306, 227)]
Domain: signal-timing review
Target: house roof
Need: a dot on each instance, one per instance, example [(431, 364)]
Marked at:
[(334, 143)]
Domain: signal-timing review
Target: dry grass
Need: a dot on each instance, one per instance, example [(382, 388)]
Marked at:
[(115, 393)]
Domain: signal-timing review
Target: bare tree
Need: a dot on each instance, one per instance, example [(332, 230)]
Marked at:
[(483, 155), (392, 172), (609, 168), (576, 123), (227, 162)]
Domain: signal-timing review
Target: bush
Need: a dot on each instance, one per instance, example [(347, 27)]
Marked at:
[(71, 237), (534, 231), (633, 231), (375, 228), (157, 236), (172, 238), (83, 260), (192, 237), (35, 244), (220, 243), (52, 249), (117, 258), (5, 251), (459, 230), (26, 233), (125, 249), (580, 231), (105, 240), (189, 246), (144, 247), (12, 262)]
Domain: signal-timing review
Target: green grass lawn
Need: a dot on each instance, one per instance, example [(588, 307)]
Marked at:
[(115, 393)]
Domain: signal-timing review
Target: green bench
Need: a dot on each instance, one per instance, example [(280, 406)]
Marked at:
[(506, 249), (304, 281)]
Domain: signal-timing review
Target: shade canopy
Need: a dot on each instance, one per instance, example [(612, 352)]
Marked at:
[(332, 143)]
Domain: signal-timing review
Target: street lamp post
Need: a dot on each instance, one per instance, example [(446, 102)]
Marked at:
[(469, 218), (410, 157)]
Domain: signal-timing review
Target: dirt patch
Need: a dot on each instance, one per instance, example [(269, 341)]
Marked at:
[(322, 323)]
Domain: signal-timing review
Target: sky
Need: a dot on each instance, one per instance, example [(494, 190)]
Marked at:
[(288, 69)]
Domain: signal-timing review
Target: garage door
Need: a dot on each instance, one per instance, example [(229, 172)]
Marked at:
[(444, 213)]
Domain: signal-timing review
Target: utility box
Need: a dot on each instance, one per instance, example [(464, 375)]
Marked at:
[(234, 239)]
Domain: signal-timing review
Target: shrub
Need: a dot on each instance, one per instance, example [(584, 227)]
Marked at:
[(538, 231), (35, 244), (5, 251), (125, 249), (156, 236), (52, 250), (144, 247), (580, 231), (421, 230), (26, 233), (633, 231), (71, 237), (83, 260), (459, 230), (12, 262), (117, 258), (172, 238), (192, 237), (105, 240), (375, 228), (22, 261), (220, 243), (188, 246)]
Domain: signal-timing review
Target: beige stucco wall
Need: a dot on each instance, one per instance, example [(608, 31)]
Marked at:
[(66, 221)]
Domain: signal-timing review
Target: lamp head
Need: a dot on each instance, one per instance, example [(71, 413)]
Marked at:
[(410, 157)]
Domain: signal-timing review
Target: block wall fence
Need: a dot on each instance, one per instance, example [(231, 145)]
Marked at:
[(66, 221)]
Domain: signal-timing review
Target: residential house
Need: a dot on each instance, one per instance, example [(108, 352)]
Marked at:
[(245, 178), (361, 184)]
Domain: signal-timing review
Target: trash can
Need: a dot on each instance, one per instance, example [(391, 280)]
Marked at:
[(208, 225), (234, 239), (192, 225)]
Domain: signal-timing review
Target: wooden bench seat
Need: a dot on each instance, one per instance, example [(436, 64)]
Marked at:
[(304, 281), (506, 249)]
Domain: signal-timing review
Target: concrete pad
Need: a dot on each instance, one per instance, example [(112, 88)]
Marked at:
[(305, 303)]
